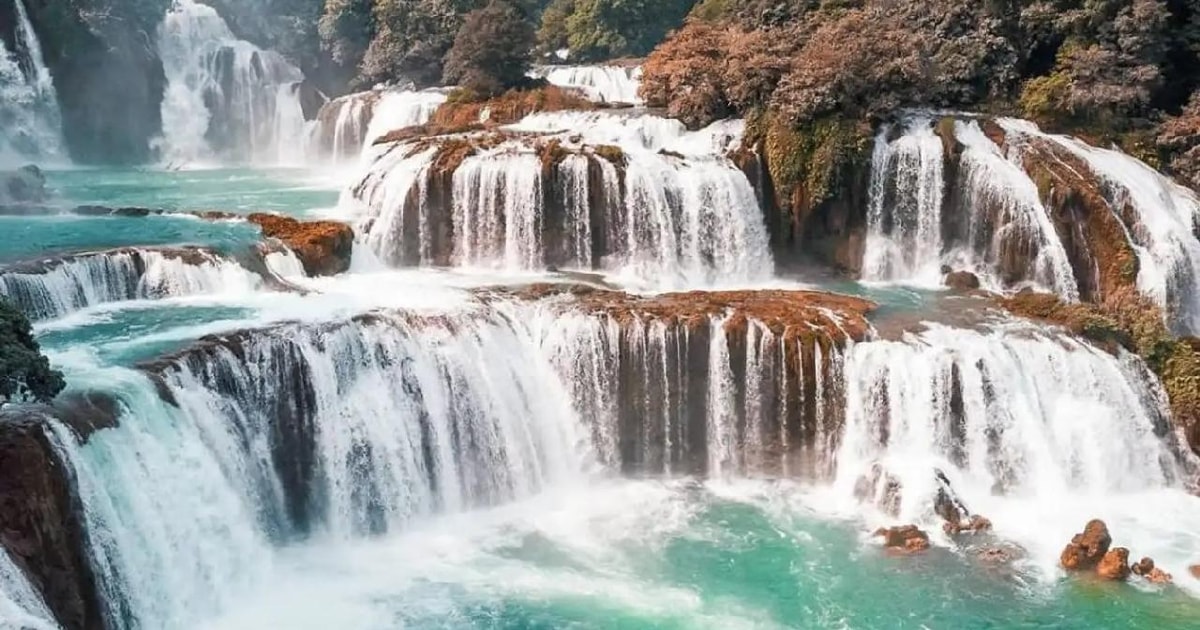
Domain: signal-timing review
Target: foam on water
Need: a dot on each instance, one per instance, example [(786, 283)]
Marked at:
[(603, 84), (20, 604)]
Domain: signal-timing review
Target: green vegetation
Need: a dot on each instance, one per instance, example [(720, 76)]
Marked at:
[(25, 373), (492, 50)]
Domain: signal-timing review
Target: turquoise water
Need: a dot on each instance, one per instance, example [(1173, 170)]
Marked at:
[(638, 555), (241, 190), (24, 238)]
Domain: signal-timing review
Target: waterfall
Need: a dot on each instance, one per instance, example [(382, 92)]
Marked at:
[(670, 208), (603, 84), (975, 210), (32, 125), (1160, 218), (20, 604), (1021, 412), (225, 98), (60, 286), (904, 219), (348, 126)]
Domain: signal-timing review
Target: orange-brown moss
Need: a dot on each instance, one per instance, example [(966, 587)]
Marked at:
[(508, 108), (324, 247)]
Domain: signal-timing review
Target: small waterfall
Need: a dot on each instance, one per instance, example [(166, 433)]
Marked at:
[(670, 208), (20, 604), (30, 123), (225, 98), (973, 210), (348, 126), (1008, 231), (57, 287), (904, 220), (1160, 218), (603, 84), (1022, 413)]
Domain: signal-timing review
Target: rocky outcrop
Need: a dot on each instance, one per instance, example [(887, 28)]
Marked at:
[(41, 525), (1114, 565), (903, 539), (1088, 548), (106, 69), (324, 247), (1146, 569)]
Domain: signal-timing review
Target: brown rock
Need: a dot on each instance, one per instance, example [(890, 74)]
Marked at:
[(977, 523), (905, 538), (880, 488), (961, 281), (1158, 576), (1195, 571), (1087, 549), (324, 247), (1114, 565), (1142, 567), (998, 554)]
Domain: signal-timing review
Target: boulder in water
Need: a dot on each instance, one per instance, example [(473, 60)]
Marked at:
[(904, 538), (880, 488), (961, 281), (1145, 568), (24, 185), (974, 525), (1088, 548), (1195, 571), (323, 247), (1114, 565)]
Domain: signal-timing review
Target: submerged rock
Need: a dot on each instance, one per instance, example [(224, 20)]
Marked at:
[(324, 247), (904, 538), (1087, 549), (1114, 565), (974, 525)]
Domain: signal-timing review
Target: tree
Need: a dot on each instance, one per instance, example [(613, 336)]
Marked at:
[(605, 29), (492, 51), (552, 35), (25, 373)]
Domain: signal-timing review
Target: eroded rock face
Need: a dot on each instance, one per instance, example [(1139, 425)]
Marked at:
[(1114, 565), (1088, 548), (324, 247), (903, 538), (40, 523)]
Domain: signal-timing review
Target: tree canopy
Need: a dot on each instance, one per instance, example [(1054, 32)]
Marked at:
[(25, 373)]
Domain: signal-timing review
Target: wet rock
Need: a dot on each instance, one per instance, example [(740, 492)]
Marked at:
[(323, 247), (1195, 571), (974, 525), (879, 488), (904, 538), (997, 554), (1145, 568), (26, 185), (40, 524), (1114, 565), (961, 281), (1087, 549)]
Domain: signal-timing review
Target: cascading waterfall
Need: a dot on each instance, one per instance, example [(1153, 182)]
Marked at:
[(20, 604), (61, 286), (1160, 217), (603, 84), (1008, 231), (984, 215), (671, 208), (225, 98), (904, 220), (348, 126), (32, 124), (346, 429), (1023, 413)]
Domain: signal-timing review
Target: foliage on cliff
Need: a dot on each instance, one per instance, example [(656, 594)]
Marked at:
[(25, 373), (492, 51), (1110, 69), (604, 29)]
